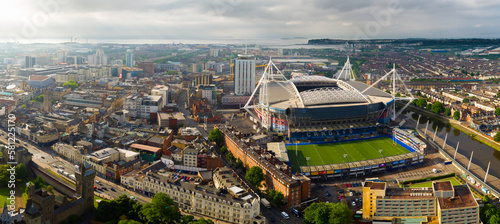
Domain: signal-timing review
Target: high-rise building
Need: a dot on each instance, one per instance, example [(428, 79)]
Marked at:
[(29, 61), (130, 58), (62, 56), (214, 52), (147, 67), (98, 59), (244, 74)]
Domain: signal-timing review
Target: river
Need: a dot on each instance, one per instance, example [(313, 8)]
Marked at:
[(482, 153)]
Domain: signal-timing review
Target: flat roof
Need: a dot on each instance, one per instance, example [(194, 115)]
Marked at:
[(375, 185), (462, 198), (145, 147), (442, 186)]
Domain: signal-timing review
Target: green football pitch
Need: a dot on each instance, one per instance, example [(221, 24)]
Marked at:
[(333, 153)]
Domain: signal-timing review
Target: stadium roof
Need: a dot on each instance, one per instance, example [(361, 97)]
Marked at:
[(318, 91)]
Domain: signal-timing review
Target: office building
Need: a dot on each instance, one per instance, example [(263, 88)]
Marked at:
[(214, 52), (442, 202), (147, 67), (130, 58), (29, 61), (161, 90), (62, 56), (244, 74), (98, 59)]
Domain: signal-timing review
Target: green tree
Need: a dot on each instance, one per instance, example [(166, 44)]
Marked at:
[(465, 100), (129, 222), (39, 98), (223, 149), (255, 175), (70, 84), (202, 221), (497, 111), (456, 115), (494, 219), (21, 172), (331, 213), (447, 112), (24, 106), (186, 219), (486, 199), (4, 175), (497, 137), (230, 157), (414, 102), (428, 106), (215, 136), (276, 197), (398, 95), (50, 189), (437, 107), (421, 102), (113, 209), (39, 182), (172, 73), (498, 94), (161, 210)]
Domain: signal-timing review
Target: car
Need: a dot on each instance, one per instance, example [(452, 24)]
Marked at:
[(61, 166), (354, 203), (346, 185), (349, 184), (25, 144), (182, 177), (187, 178), (104, 189), (98, 182), (112, 189), (328, 194), (351, 194), (43, 157), (133, 198), (54, 165), (340, 191), (273, 220), (394, 181)]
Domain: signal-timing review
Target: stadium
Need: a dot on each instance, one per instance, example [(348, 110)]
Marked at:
[(331, 123)]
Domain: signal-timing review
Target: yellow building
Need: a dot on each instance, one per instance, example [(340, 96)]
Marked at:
[(442, 203)]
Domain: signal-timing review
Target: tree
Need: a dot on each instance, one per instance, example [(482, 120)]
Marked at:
[(419, 94), (112, 210), (21, 172), (70, 84), (498, 94), (186, 219), (172, 73), (49, 188), (331, 213), (422, 102), (447, 112), (437, 107), (39, 98), (255, 175), (24, 106), (465, 100), (494, 219), (456, 115), (230, 157), (486, 199), (428, 106), (215, 136), (202, 221), (223, 149), (398, 95), (39, 182), (497, 111), (276, 197), (128, 222), (4, 175), (497, 137), (160, 210)]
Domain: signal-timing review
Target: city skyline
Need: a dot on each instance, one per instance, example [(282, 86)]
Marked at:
[(238, 19)]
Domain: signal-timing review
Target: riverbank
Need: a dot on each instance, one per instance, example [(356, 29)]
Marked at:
[(458, 125)]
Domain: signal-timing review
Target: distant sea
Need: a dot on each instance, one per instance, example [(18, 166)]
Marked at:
[(286, 43)]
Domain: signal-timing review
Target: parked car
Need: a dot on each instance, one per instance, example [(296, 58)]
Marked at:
[(328, 194)]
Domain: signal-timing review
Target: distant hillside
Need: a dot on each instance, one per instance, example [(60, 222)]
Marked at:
[(414, 41)]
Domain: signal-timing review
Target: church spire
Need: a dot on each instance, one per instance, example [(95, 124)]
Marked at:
[(6, 219)]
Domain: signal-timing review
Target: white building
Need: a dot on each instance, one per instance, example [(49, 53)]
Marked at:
[(71, 153), (161, 90), (190, 156), (244, 74), (98, 59), (141, 106)]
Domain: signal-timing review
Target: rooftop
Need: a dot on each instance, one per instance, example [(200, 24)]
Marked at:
[(375, 185), (145, 147), (462, 198), (38, 77), (442, 186)]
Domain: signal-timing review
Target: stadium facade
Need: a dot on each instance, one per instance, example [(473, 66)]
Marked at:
[(317, 107)]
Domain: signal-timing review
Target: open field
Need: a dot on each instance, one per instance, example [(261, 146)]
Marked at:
[(333, 153)]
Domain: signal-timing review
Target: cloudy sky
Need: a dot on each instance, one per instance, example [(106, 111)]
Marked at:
[(240, 19)]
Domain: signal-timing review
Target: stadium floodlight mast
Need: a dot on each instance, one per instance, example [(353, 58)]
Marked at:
[(394, 78), (346, 72), (274, 75), (382, 152)]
